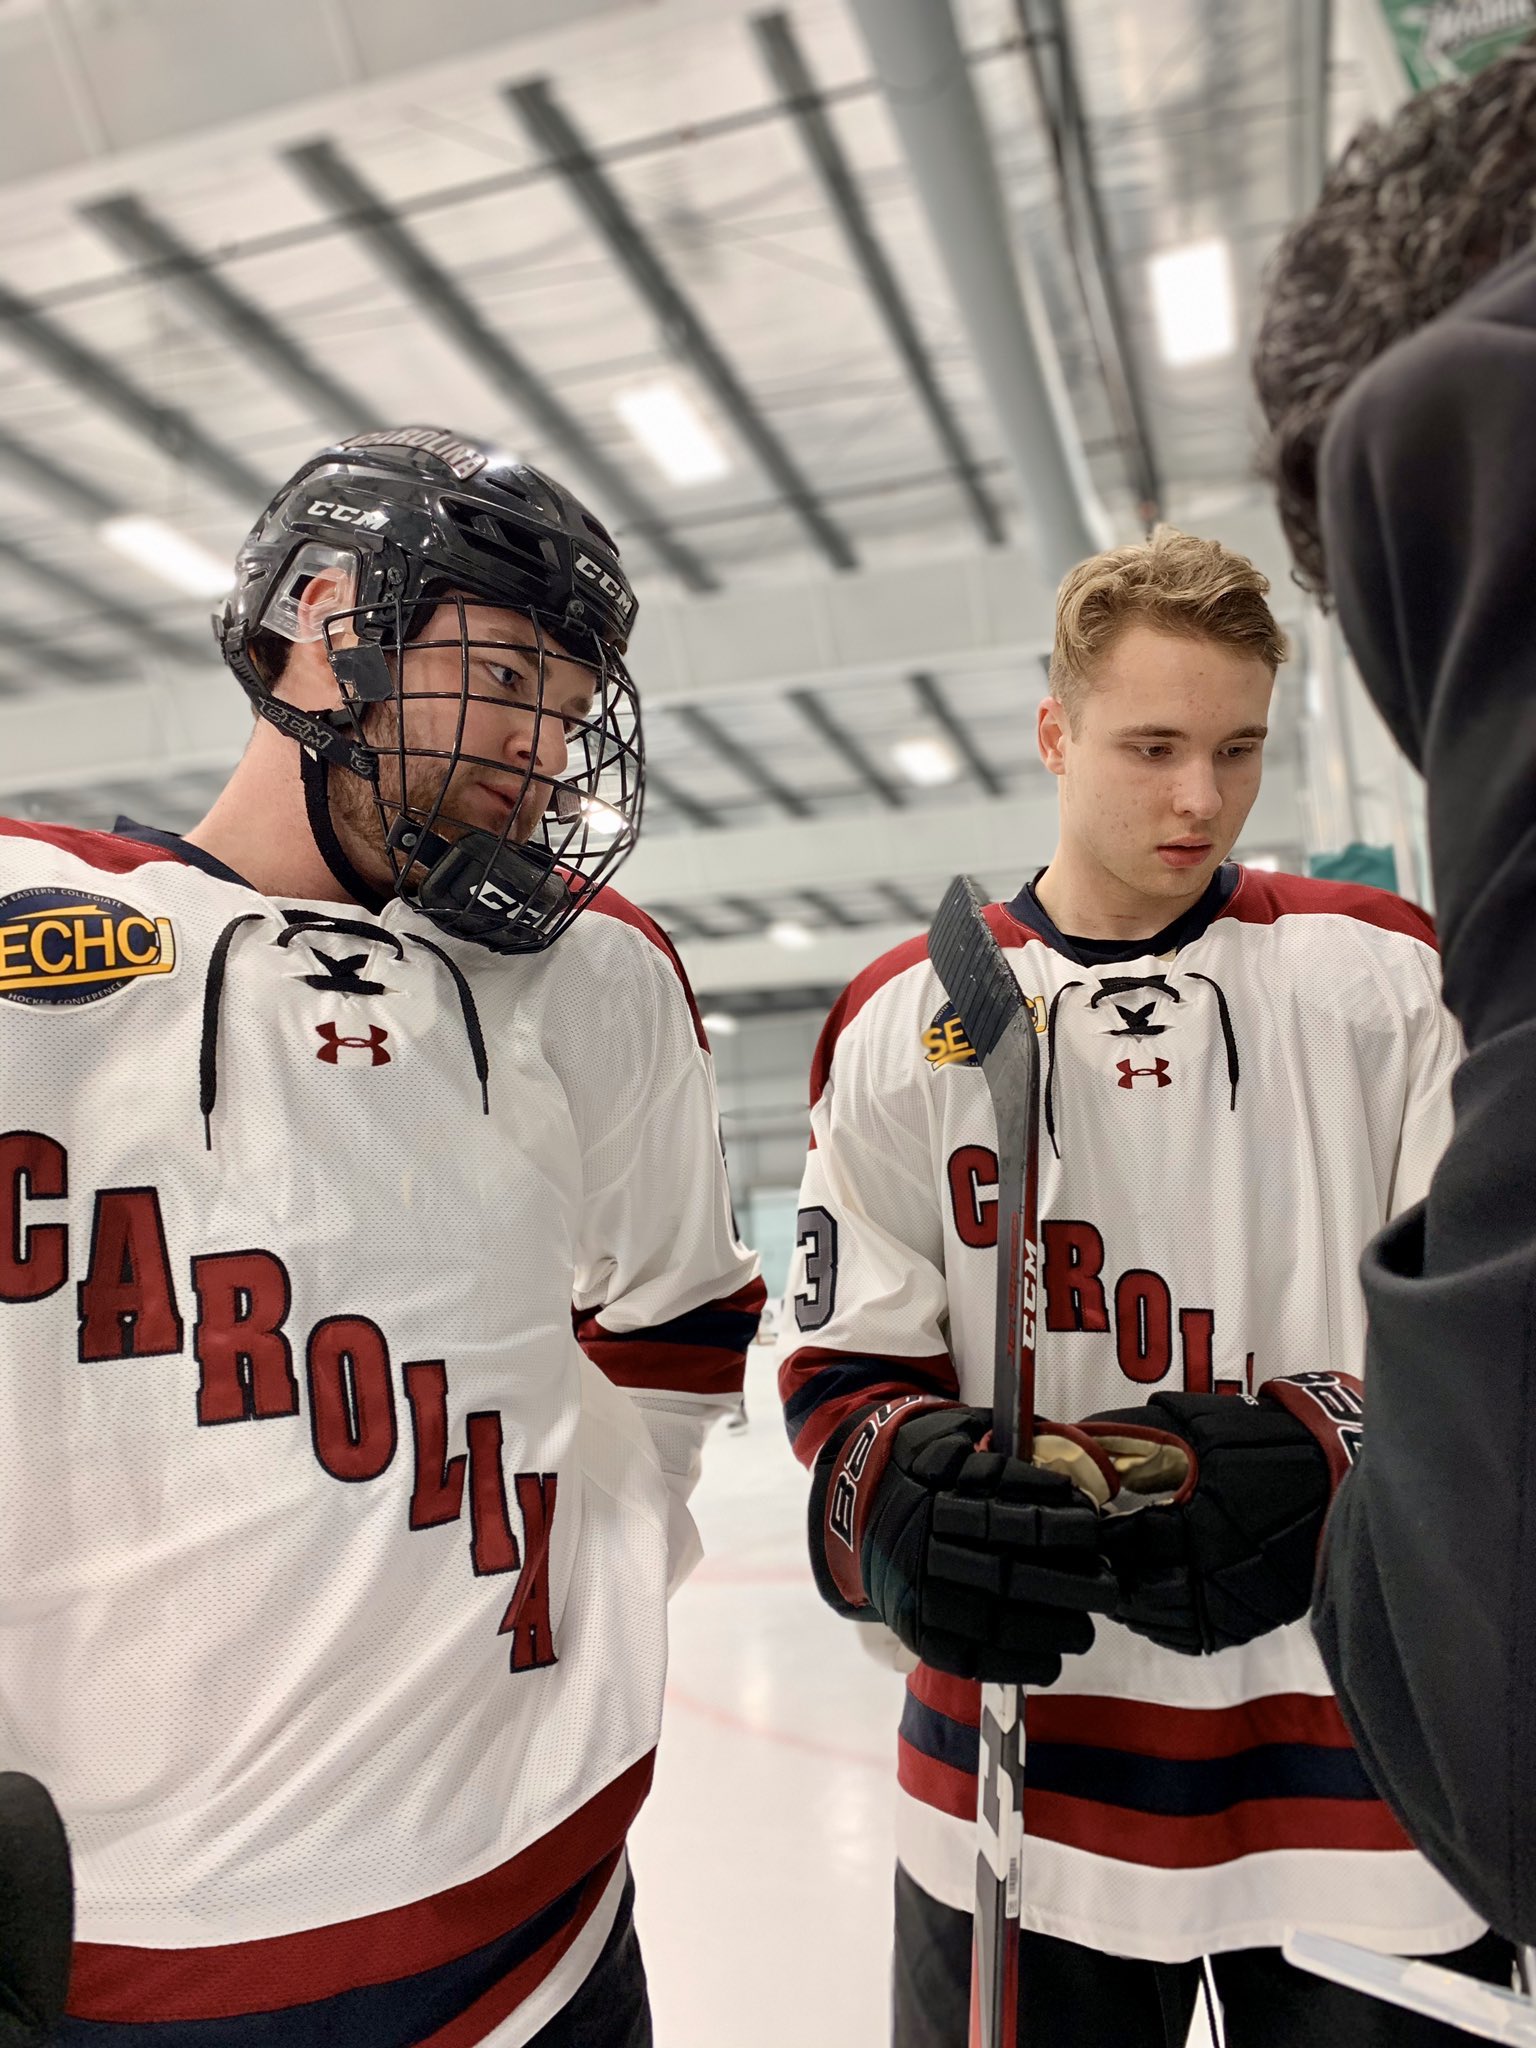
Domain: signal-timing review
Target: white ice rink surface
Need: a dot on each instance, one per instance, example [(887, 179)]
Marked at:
[(763, 1858)]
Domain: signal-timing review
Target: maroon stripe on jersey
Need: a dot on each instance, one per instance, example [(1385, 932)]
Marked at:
[(1263, 898), (849, 1381), (1197, 1841), (503, 1999), (97, 849), (1006, 929), (611, 904), (934, 1782), (959, 1698), (702, 1351), (1185, 1733), (1143, 1728), (113, 1982)]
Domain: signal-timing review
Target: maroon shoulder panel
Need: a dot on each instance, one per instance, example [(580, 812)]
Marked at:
[(1263, 898), (611, 904), (103, 850)]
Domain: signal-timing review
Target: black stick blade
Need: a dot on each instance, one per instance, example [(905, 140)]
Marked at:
[(970, 963)]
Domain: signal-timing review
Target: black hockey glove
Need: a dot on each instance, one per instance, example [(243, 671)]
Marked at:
[(36, 1913), (983, 1566), (1233, 1554)]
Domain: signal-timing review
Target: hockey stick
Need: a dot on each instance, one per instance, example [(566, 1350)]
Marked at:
[(1001, 1032), (1440, 1994)]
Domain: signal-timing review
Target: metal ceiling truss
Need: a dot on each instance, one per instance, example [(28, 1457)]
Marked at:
[(709, 733), (903, 902), (75, 496), (804, 104), (1312, 31), (36, 649), (86, 600), (931, 98), (168, 430), (146, 241), (1052, 65), (678, 799), (841, 741), (379, 229), (552, 131), (955, 730)]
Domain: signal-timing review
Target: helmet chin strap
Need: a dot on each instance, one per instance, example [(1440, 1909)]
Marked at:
[(316, 774)]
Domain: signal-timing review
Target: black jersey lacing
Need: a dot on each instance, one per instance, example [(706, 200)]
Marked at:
[(213, 996), (1229, 1036), (1050, 1064), (341, 977), (1135, 1023)]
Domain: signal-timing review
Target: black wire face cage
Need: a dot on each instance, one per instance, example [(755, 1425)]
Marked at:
[(508, 772)]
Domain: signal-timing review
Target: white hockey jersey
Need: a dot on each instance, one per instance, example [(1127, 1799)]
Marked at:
[(365, 1298), (1224, 1128)]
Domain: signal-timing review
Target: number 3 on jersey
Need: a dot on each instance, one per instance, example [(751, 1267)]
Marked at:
[(816, 1236)]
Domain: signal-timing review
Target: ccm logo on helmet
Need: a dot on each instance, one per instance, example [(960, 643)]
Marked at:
[(348, 515), (609, 585)]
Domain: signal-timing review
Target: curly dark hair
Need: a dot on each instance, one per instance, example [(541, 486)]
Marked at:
[(1415, 211)]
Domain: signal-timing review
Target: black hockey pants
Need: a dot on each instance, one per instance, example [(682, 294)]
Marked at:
[(611, 2009), (1075, 1997)]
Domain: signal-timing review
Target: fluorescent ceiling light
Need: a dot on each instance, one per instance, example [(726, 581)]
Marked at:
[(787, 933), (927, 762), (167, 554), (673, 432), (719, 1024), (1194, 302)]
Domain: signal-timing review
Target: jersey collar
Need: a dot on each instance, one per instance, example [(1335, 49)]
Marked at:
[(184, 850), (1027, 909)]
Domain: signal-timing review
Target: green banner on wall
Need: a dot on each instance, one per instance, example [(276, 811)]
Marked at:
[(1442, 39)]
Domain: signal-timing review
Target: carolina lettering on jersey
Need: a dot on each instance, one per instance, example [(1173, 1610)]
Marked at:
[(1138, 1307), (128, 1308)]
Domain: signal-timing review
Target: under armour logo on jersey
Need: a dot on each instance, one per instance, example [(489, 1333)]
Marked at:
[(336, 1043), (1129, 1075)]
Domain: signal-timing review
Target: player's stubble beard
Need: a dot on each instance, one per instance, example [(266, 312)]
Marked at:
[(355, 803)]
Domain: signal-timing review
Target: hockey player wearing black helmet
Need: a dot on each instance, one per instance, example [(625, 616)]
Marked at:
[(441, 631), (365, 1243)]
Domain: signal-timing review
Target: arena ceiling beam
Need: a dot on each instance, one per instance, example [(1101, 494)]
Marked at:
[(915, 50), (785, 60), (163, 258), (331, 179), (551, 130), (168, 430)]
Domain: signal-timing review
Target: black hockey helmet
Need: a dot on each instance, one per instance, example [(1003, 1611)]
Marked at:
[(413, 518)]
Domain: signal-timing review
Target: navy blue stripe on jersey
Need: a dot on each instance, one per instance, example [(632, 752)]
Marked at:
[(1151, 1784), (812, 1381), (714, 1325), (703, 1351), (395, 2014), (941, 1737)]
